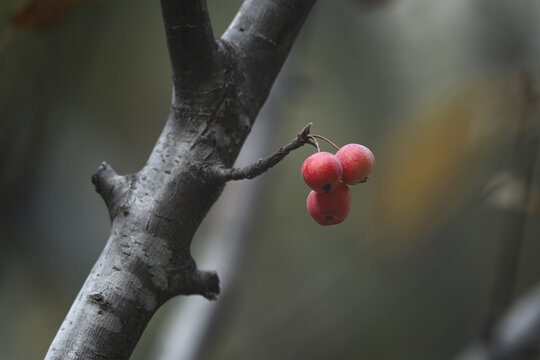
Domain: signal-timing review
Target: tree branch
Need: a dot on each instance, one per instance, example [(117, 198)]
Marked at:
[(156, 211), (192, 47), (194, 327), (263, 33), (249, 172)]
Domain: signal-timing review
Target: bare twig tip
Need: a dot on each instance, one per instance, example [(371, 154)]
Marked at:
[(209, 281), (305, 131)]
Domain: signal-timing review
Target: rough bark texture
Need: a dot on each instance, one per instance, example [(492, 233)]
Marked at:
[(219, 87), (194, 327)]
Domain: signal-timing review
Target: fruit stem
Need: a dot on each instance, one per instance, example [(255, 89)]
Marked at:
[(325, 139), (316, 143)]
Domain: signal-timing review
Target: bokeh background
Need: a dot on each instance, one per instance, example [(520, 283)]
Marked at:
[(443, 236)]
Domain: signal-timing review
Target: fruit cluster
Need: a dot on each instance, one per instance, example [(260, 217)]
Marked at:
[(328, 175)]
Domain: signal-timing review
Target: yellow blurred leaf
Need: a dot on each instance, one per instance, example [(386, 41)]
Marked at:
[(431, 162)]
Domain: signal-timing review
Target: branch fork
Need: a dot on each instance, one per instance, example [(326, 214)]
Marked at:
[(242, 67)]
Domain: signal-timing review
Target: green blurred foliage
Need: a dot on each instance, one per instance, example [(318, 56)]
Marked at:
[(434, 88)]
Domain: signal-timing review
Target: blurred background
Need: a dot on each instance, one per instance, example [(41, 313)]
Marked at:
[(440, 239)]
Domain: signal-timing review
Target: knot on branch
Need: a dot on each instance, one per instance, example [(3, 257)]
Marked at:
[(207, 284), (204, 283), (224, 173), (111, 187)]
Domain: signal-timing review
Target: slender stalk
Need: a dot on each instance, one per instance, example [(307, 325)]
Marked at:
[(316, 143), (325, 139)]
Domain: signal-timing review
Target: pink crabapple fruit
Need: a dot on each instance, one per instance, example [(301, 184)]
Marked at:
[(357, 162), (322, 171), (330, 208)]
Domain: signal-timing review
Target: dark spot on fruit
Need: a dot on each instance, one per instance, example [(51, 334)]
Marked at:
[(328, 217), (327, 188)]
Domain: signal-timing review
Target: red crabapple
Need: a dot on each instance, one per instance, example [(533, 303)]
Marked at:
[(330, 208), (322, 171), (357, 162)]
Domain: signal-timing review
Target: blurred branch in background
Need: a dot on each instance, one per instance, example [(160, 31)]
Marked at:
[(195, 325), (514, 336), (518, 201)]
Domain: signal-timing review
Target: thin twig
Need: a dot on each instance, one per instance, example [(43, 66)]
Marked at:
[(261, 166)]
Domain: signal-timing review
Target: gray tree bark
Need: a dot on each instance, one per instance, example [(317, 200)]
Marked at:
[(219, 87), (193, 327)]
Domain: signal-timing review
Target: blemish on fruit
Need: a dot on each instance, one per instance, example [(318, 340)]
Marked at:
[(328, 217)]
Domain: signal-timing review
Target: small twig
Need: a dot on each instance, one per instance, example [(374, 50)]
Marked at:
[(261, 166)]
